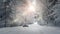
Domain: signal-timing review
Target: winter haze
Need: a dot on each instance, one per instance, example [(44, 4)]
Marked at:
[(29, 16)]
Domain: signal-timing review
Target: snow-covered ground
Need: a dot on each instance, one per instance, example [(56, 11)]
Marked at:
[(32, 29)]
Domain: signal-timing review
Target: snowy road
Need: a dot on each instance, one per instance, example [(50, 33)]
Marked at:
[(32, 29)]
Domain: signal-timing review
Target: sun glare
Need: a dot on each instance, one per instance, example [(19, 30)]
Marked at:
[(30, 7)]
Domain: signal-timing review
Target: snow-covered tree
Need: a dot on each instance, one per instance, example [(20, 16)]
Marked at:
[(51, 15)]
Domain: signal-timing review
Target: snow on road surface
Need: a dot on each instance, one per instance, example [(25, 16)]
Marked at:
[(32, 29)]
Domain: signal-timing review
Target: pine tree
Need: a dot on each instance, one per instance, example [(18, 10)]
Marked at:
[(49, 15)]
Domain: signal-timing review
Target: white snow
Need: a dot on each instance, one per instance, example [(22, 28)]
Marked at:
[(32, 29)]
